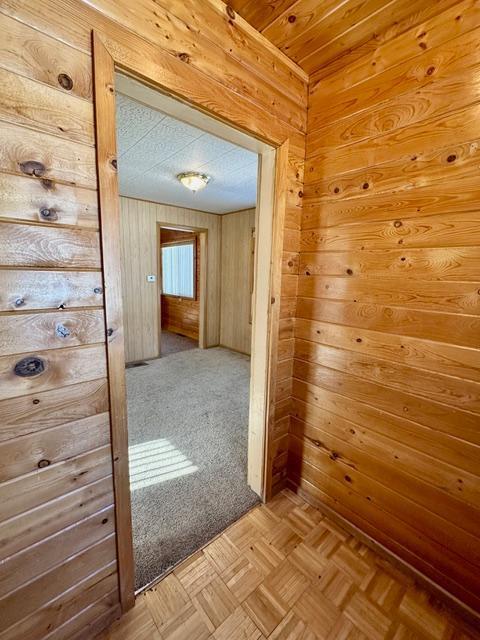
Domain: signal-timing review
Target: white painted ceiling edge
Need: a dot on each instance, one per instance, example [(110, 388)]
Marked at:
[(159, 136)]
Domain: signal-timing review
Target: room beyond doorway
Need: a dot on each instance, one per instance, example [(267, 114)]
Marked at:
[(188, 298)]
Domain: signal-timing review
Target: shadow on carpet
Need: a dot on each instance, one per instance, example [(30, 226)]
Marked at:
[(188, 437)]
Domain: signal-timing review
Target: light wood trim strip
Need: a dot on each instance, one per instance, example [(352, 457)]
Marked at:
[(104, 87)]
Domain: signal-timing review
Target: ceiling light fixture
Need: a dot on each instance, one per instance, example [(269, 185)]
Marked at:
[(193, 180)]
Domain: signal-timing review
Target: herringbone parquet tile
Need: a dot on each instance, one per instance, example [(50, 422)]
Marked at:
[(286, 572)]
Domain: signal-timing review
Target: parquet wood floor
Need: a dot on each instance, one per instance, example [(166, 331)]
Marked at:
[(286, 572)]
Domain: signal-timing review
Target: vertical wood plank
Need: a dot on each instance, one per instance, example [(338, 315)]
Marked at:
[(104, 79)]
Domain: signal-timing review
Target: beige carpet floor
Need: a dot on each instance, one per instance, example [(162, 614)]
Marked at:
[(188, 430)]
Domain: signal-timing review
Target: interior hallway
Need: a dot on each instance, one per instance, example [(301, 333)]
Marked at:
[(188, 439), (285, 572)]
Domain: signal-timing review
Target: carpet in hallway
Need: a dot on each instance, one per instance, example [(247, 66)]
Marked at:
[(173, 342), (188, 435)]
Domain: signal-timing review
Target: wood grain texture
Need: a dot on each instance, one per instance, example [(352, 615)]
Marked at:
[(46, 201), (209, 59), (139, 220), (34, 289), (288, 572), (109, 208), (332, 33), (386, 363), (33, 332), (182, 315), (237, 280)]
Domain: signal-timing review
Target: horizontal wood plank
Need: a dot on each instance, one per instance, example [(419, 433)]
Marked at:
[(440, 417), (27, 530), (459, 297), (416, 323), (27, 453), (51, 483), (62, 160), (310, 399), (30, 289), (67, 605), (32, 104), (53, 330), (23, 245), (455, 263), (33, 54), (62, 367), (433, 356), (26, 600), (33, 561), (32, 200)]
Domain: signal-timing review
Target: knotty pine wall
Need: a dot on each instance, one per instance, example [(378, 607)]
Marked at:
[(236, 276), (141, 312), (182, 315), (385, 423), (57, 526)]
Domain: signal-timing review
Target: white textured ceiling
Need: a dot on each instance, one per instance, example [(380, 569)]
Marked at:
[(154, 147)]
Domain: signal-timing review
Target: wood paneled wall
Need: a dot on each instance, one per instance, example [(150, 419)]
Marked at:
[(58, 552), (140, 257), (385, 423), (182, 315), (237, 273)]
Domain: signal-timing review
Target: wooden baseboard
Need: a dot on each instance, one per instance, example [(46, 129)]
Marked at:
[(181, 331), (224, 346), (470, 616)]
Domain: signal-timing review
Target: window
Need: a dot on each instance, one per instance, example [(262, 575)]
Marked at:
[(178, 269)]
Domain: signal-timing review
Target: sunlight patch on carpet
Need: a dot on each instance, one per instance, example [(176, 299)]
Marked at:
[(156, 461)]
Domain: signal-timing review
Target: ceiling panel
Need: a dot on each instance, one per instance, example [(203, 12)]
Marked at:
[(314, 33), (153, 148)]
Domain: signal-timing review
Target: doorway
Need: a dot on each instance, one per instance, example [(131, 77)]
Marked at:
[(182, 265), (266, 282)]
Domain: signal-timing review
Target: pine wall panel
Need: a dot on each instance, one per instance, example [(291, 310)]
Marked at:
[(58, 553), (386, 375)]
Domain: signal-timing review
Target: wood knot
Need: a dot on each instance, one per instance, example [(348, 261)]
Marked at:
[(19, 302), (109, 332), (290, 263), (365, 185), (29, 367), (32, 168), (65, 81), (292, 18), (43, 463), (348, 478), (97, 290), (422, 45), (300, 194), (451, 158), (184, 57), (397, 224), (334, 455), (114, 163), (47, 184), (403, 258), (48, 214), (36, 401), (104, 521), (350, 272), (336, 190), (230, 12), (359, 340), (430, 70)]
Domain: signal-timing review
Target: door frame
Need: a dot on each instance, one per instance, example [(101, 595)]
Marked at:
[(271, 210), (202, 240)]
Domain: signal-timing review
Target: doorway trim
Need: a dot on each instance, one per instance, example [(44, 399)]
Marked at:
[(202, 240), (271, 208)]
